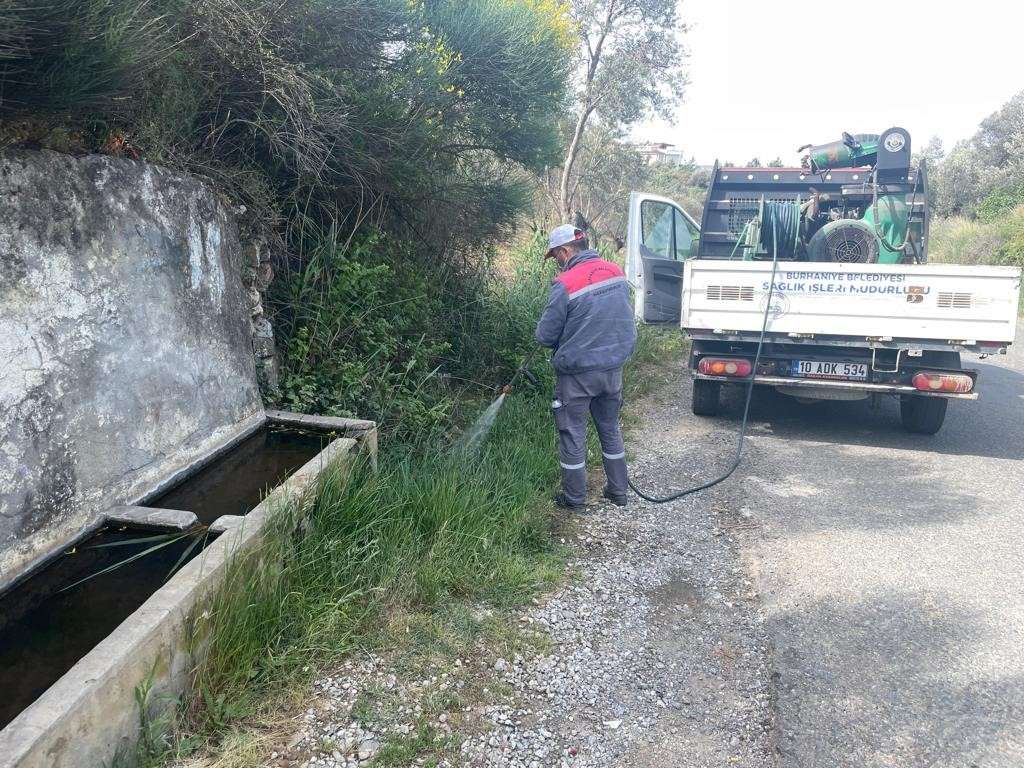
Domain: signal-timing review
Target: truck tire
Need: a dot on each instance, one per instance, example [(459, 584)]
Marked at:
[(922, 415), (706, 397)]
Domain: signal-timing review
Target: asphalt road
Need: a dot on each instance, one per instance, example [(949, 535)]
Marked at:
[(891, 573)]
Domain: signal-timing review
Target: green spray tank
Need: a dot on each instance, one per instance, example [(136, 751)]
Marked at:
[(887, 216), (852, 151)]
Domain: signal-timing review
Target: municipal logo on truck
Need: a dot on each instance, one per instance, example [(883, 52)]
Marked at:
[(915, 294), (779, 307), (894, 142)]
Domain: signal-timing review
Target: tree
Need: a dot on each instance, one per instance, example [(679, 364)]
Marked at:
[(607, 168), (683, 183), (998, 133), (932, 153), (629, 65), (990, 163)]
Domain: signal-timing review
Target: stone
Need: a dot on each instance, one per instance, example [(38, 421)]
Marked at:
[(368, 749), (152, 517), (225, 523)]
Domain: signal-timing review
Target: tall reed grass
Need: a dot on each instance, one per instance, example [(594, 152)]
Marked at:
[(426, 529), (997, 240)]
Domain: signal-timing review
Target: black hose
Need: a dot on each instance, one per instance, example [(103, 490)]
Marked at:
[(782, 217), (750, 384)]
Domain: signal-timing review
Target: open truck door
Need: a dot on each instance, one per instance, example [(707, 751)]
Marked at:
[(659, 238)]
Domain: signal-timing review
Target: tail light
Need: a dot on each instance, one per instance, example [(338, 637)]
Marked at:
[(942, 382), (724, 366)]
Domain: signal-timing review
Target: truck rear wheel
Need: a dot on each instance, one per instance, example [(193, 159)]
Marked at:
[(922, 415), (706, 397)]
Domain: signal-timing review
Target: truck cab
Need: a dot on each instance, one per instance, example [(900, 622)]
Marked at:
[(660, 238), (847, 310)]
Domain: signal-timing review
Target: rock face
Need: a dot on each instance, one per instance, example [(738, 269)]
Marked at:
[(125, 339)]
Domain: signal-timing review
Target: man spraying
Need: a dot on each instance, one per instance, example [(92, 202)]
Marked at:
[(588, 322)]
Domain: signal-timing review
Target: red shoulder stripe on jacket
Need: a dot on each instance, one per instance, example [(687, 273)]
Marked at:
[(590, 273)]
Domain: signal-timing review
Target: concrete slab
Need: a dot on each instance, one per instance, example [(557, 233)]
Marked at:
[(346, 427), (225, 523), (152, 517)]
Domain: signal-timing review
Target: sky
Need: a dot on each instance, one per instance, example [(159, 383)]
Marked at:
[(767, 76)]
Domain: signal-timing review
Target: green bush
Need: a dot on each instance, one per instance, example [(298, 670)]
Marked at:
[(495, 332), (1001, 203), (999, 240), (362, 331), (370, 327), (418, 117)]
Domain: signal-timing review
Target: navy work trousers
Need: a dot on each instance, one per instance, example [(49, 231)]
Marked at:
[(596, 394)]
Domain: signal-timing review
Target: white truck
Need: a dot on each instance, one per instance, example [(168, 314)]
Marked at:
[(841, 324)]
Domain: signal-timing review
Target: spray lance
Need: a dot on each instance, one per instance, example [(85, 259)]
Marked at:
[(523, 371)]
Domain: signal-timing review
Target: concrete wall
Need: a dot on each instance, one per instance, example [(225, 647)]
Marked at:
[(125, 340)]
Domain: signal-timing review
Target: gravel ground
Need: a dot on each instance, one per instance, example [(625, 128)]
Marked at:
[(655, 652)]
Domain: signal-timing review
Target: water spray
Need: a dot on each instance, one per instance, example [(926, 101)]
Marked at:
[(482, 426)]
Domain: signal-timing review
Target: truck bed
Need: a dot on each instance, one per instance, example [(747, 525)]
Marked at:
[(944, 304)]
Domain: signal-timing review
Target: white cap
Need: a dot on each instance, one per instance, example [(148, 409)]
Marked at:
[(563, 234)]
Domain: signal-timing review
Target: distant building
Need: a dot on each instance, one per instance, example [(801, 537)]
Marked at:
[(662, 153)]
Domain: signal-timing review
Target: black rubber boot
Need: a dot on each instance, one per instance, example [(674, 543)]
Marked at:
[(562, 502), (618, 501)]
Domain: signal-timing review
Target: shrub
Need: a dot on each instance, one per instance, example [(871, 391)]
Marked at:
[(362, 326), (999, 240), (1001, 203), (416, 116), (371, 327)]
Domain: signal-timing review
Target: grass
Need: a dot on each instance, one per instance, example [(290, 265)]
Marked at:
[(423, 560), (997, 240), (429, 528)]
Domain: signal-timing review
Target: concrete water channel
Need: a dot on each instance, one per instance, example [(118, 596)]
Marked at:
[(72, 636), (53, 618)]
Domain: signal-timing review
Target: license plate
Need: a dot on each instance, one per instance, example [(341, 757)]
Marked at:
[(823, 369)]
